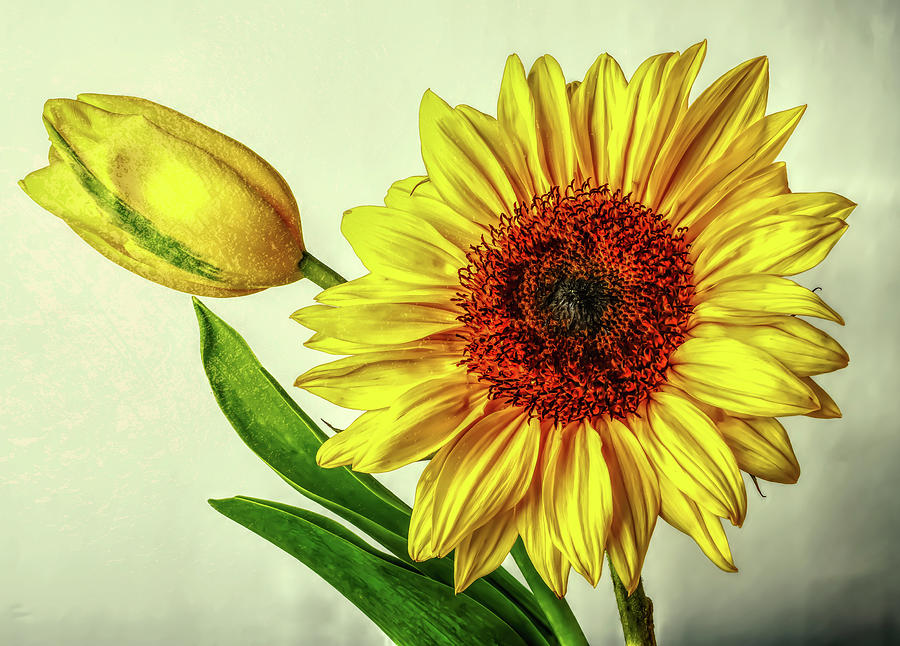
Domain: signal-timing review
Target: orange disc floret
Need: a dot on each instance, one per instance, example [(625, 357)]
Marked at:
[(574, 303)]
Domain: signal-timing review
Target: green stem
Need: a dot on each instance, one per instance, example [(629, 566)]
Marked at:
[(318, 272), (635, 612), (557, 611)]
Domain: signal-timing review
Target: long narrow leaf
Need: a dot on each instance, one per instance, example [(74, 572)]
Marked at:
[(410, 608), (272, 425)]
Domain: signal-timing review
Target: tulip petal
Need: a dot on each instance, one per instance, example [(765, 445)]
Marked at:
[(57, 189), (251, 167), (163, 191)]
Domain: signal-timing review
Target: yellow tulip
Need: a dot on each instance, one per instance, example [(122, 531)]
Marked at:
[(167, 197)]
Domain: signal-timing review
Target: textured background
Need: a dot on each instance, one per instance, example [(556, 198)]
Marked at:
[(110, 441)]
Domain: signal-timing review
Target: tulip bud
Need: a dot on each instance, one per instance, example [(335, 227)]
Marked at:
[(167, 197)]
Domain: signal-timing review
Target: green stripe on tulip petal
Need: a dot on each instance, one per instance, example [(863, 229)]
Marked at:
[(126, 218)]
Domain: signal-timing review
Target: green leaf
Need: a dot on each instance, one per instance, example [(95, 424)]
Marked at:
[(269, 421), (280, 433), (409, 607)]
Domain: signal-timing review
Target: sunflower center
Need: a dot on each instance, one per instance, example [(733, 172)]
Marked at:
[(578, 303), (575, 302)]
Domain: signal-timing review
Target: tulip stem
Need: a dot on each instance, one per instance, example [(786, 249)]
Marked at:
[(559, 615), (318, 272), (635, 612)]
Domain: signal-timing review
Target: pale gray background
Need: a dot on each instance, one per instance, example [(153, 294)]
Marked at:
[(111, 441)]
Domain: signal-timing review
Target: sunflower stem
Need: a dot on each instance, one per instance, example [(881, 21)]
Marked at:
[(635, 612), (318, 272), (559, 615)]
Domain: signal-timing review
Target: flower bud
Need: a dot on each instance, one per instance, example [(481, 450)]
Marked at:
[(166, 197)]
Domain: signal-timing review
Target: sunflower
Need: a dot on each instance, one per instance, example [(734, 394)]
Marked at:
[(580, 315)]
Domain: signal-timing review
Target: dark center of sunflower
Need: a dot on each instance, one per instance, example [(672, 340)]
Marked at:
[(573, 305), (578, 303)]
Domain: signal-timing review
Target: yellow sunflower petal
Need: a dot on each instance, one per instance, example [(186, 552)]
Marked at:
[(768, 182), (683, 443), (755, 295), (802, 347), (345, 447), (533, 527), (635, 492), (516, 114), (664, 112), (705, 528), (828, 409), (594, 108), (375, 288), (554, 124), (490, 130), (418, 196), (761, 447), (761, 237), (485, 549), (822, 204), (710, 127), (460, 163), (421, 528), (487, 471), (732, 375), (752, 150), (420, 422), (376, 379), (577, 497), (382, 323), (440, 342), (632, 116), (401, 246)]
